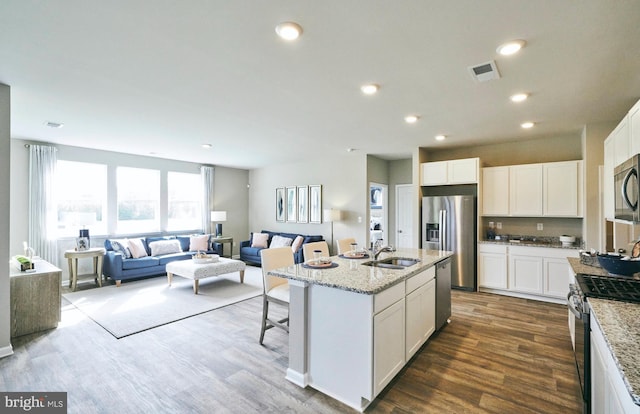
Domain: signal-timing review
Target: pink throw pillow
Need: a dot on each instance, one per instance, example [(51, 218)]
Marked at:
[(199, 243), (137, 248), (297, 243), (259, 240)]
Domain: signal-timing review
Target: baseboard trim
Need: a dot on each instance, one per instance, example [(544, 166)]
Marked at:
[(5, 351)]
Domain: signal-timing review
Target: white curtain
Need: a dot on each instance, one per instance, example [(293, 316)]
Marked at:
[(42, 206), (207, 173)]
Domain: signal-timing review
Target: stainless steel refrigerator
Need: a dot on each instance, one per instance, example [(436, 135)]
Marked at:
[(449, 223)]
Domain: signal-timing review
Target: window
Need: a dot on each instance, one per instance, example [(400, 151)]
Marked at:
[(185, 201), (81, 190), (138, 200)]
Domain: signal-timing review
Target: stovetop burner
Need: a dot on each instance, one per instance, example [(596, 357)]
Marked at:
[(609, 287)]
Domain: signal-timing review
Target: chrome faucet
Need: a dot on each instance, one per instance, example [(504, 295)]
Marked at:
[(376, 249)]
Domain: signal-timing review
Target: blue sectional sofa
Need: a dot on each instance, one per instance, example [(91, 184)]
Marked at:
[(119, 268), (251, 255)]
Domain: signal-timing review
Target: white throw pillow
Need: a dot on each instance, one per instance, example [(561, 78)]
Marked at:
[(297, 243), (137, 248), (165, 247), (260, 240), (279, 241), (122, 246), (199, 242)]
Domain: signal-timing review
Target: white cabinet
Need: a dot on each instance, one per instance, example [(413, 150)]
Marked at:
[(621, 142), (495, 191), (388, 344), (634, 129), (463, 171), (562, 189), (525, 190), (420, 310), (609, 394), (492, 266), (525, 271), (607, 173)]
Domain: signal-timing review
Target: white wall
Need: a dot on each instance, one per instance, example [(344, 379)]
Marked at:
[(230, 189), (344, 187), (5, 200)]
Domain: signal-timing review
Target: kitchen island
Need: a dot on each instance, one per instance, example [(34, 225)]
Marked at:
[(353, 327)]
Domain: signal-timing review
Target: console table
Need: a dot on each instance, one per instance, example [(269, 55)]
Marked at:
[(35, 298), (223, 240), (96, 253)]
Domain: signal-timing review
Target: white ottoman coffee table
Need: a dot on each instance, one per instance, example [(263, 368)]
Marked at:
[(197, 271)]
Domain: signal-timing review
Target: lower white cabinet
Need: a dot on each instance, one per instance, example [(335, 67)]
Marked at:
[(421, 317), (539, 271), (609, 394), (492, 266), (388, 344)]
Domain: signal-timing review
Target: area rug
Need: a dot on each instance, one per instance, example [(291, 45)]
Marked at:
[(137, 306)]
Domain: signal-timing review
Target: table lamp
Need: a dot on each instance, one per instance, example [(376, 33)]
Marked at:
[(218, 217)]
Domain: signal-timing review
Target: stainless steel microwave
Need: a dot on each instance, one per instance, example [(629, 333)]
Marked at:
[(627, 189)]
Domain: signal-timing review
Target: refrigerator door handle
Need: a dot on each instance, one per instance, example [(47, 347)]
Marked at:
[(443, 229)]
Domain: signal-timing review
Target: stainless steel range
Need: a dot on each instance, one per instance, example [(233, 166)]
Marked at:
[(608, 287)]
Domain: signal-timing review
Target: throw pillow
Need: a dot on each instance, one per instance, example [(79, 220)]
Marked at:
[(137, 248), (279, 241), (121, 246), (199, 242), (165, 247), (260, 240), (297, 243)]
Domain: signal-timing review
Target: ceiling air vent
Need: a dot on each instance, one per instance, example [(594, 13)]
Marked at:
[(485, 71)]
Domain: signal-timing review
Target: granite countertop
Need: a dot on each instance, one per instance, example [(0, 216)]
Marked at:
[(351, 275), (620, 325), (530, 243)]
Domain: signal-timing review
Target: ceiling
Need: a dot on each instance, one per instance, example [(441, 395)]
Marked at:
[(162, 78)]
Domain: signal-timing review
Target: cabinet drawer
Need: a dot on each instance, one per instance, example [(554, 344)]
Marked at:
[(420, 279), (492, 248), (388, 297)]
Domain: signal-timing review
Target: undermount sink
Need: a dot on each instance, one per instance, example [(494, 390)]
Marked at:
[(392, 262)]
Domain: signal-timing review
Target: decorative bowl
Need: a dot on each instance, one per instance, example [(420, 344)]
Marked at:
[(618, 266)]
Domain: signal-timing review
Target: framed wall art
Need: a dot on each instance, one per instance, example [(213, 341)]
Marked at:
[(315, 204), (280, 204), (303, 204), (292, 205)]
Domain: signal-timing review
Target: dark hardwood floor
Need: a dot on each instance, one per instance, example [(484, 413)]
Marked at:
[(498, 355)]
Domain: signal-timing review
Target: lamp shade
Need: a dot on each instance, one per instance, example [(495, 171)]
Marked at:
[(331, 214), (218, 216)]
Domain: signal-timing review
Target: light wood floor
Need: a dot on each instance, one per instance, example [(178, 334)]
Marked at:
[(498, 355)]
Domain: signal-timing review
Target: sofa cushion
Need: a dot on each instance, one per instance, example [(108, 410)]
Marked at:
[(167, 258), (137, 248), (120, 246), (185, 241), (199, 242), (161, 247), (149, 240), (252, 251), (279, 241), (146, 261), (260, 240), (311, 239)]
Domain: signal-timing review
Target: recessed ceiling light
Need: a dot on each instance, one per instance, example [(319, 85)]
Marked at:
[(370, 88), (527, 125), (511, 47), (519, 97), (440, 137), (350, 149), (54, 124), (289, 30), (411, 119), (206, 146)]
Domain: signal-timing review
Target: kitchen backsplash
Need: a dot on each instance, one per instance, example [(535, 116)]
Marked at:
[(552, 228)]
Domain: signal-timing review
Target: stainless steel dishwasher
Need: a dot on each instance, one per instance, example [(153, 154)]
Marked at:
[(443, 293)]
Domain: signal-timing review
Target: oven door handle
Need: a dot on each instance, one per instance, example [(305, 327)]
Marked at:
[(572, 307)]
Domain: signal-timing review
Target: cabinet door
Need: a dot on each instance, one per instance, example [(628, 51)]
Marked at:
[(495, 191), (607, 177), (421, 317), (525, 190), (556, 277), (434, 173), (598, 379), (492, 270), (389, 344), (525, 273), (561, 182), (463, 171), (621, 141), (634, 129)]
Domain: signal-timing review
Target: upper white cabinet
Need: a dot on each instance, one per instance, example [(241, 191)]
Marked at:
[(463, 171), (607, 185), (525, 190), (562, 186), (622, 142), (495, 191), (634, 129), (551, 189)]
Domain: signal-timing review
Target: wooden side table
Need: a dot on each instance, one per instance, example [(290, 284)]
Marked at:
[(35, 298), (96, 253), (223, 240)]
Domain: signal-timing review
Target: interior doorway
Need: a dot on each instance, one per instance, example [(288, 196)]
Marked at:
[(378, 213)]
